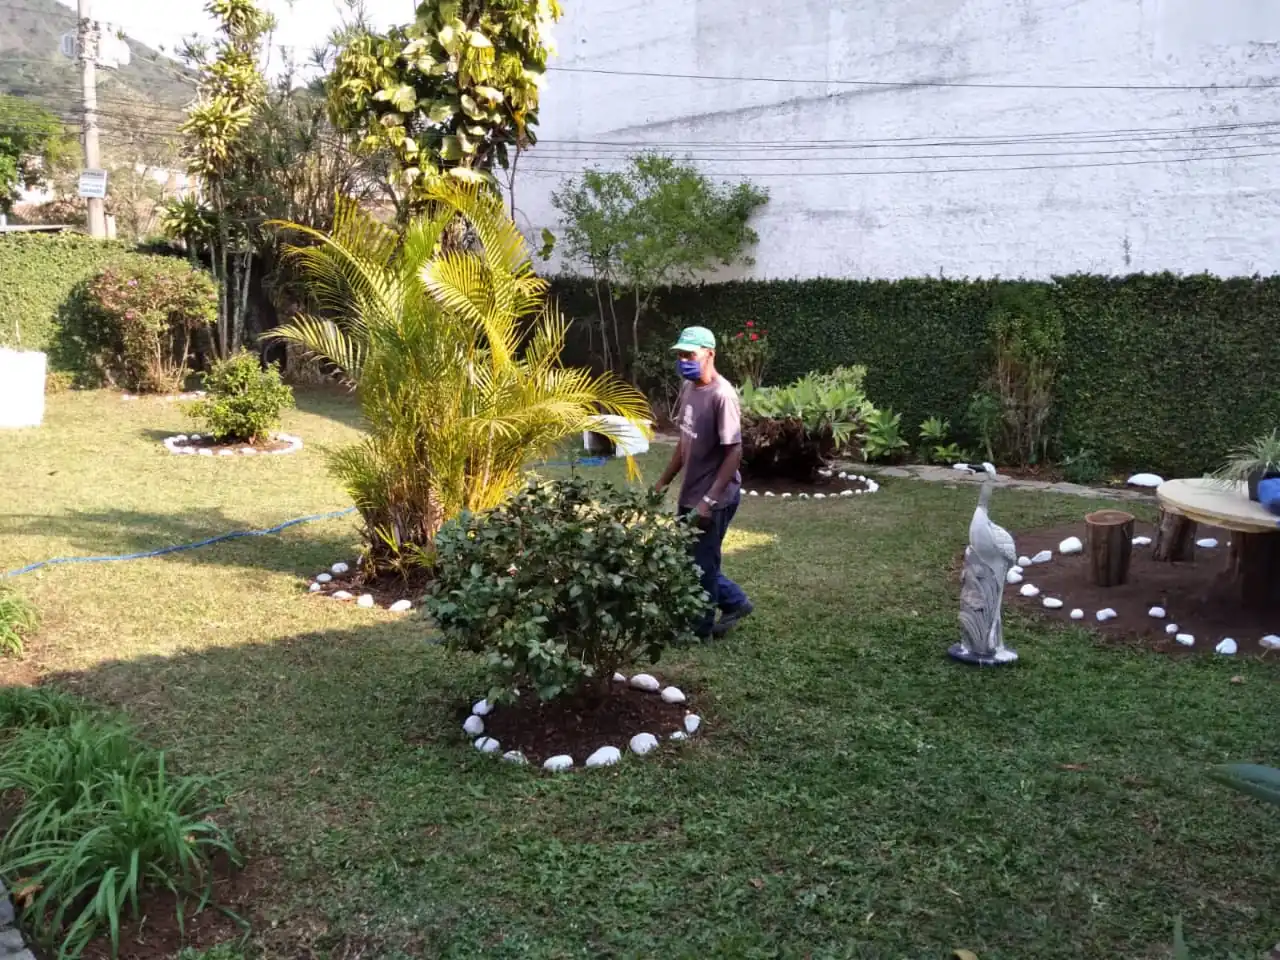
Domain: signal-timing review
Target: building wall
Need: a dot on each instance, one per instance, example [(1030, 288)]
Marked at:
[(1217, 213)]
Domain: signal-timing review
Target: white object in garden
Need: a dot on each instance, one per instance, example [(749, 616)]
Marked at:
[(604, 757), (323, 578), (342, 595), (248, 451), (673, 695), (205, 452), (872, 486), (619, 678), (1024, 562), (643, 743), (1208, 543), (786, 496), (1171, 628), (1145, 480), (679, 735), (1158, 613), (22, 375), (473, 725), (846, 493), (962, 467), (802, 496), (488, 745), (823, 472), (1142, 541), (842, 475), (691, 723), (646, 682), (1186, 639), (1013, 576), (1052, 603), (481, 708), (558, 763), (1227, 647), (1070, 545), (366, 600), (819, 496), (1271, 642), (180, 438), (226, 453), (768, 493), (630, 441), (1106, 614), (314, 588), (514, 756), (1044, 556), (1018, 569), (752, 493), (401, 606), (1030, 590), (1077, 614), (339, 568), (195, 436)]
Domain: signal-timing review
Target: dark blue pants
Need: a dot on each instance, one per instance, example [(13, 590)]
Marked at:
[(724, 594)]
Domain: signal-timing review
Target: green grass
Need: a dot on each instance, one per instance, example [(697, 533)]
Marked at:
[(855, 795)]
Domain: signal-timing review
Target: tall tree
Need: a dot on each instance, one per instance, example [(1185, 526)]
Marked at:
[(456, 90), (33, 144)]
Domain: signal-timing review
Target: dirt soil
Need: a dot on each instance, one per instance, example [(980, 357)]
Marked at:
[(581, 726), (1191, 594), (386, 589), (830, 486), (208, 443)]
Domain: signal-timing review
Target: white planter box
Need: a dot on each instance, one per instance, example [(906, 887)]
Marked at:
[(21, 388), (632, 440)]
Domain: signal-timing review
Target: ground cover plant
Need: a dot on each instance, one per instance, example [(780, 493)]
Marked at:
[(854, 795), (17, 619)]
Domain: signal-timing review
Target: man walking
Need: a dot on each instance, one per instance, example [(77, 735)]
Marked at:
[(709, 453)]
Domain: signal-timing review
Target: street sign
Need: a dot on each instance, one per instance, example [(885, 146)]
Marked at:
[(93, 184), (113, 51), (70, 45)]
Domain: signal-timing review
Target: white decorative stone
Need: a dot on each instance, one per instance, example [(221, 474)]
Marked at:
[(752, 493), (366, 600), (605, 757), (619, 678), (819, 496), (1145, 480), (180, 438), (1013, 576), (1171, 628), (1186, 639), (1077, 614), (823, 472), (802, 496), (643, 743), (1208, 543), (768, 493), (205, 452), (342, 595), (691, 723), (872, 486), (195, 436), (843, 475), (1142, 541), (846, 493), (1052, 603), (323, 578), (514, 756), (1018, 568), (1044, 556), (338, 568), (1030, 590), (481, 708), (679, 735), (226, 453), (1106, 614), (1227, 647), (1070, 545), (487, 745), (786, 496), (248, 451), (646, 682), (473, 725), (1157, 612), (558, 763), (401, 606), (314, 588), (673, 695), (1270, 642), (1024, 562)]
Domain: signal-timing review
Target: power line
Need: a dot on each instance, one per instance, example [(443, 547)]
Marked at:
[(906, 84)]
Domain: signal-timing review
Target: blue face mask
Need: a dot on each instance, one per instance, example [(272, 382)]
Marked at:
[(689, 369)]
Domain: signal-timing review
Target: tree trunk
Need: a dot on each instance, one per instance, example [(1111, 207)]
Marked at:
[(1254, 564), (1175, 539), (1110, 534)]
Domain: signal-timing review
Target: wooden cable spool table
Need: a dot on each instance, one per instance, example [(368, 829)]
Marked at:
[(1253, 561)]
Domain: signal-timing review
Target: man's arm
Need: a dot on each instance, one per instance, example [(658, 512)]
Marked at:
[(674, 466), (724, 476)]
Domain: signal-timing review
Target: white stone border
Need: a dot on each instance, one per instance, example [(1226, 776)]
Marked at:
[(640, 744), (167, 397), (869, 486), (364, 600), (179, 445)]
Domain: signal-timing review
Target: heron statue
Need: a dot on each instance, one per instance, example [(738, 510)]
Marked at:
[(987, 560)]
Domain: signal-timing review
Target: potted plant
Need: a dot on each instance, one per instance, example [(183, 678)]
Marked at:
[(1257, 460)]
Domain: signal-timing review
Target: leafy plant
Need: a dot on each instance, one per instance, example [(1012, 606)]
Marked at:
[(244, 399), (934, 446), (38, 707), (793, 430), (32, 142), (882, 436), (1258, 458), (746, 353), (1082, 467), (947, 454), (1027, 334), (984, 416), (150, 310), (565, 584), (457, 357), (18, 617)]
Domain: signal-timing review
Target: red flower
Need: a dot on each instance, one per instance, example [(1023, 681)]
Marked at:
[(751, 323), (755, 336), (738, 337)]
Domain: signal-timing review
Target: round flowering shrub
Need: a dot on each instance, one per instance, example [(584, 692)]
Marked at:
[(243, 399), (566, 583)]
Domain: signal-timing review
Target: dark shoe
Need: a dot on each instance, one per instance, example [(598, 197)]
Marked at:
[(730, 618)]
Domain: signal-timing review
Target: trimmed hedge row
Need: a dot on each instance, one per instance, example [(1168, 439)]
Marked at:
[(1158, 372)]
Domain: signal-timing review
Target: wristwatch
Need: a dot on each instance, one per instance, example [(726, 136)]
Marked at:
[(711, 503)]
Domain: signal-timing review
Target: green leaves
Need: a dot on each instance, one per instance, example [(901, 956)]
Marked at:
[(18, 618), (243, 399)]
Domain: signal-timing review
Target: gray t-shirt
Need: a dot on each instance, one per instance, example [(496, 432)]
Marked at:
[(710, 420)]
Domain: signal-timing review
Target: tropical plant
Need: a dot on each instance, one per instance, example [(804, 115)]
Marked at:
[(33, 142), (18, 618), (882, 436), (456, 358), (1082, 467), (243, 399), (1252, 462), (655, 223), (146, 314), (793, 430), (746, 353), (566, 583), (457, 89), (1027, 334), (38, 707), (984, 416)]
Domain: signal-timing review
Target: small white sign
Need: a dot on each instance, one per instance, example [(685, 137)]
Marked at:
[(93, 184), (70, 45)]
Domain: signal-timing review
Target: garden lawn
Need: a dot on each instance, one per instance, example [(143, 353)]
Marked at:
[(854, 793)]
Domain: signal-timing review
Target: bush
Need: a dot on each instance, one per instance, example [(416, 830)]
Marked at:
[(145, 315), (792, 431), (745, 353), (244, 399), (565, 584), (17, 619)]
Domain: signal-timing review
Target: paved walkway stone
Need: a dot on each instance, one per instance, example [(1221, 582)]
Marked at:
[(933, 474)]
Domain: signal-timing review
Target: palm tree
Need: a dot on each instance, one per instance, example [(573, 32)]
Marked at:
[(455, 355)]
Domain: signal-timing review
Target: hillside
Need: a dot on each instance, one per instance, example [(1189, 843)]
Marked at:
[(143, 99)]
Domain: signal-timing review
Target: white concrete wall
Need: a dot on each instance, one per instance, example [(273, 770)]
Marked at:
[(1221, 215)]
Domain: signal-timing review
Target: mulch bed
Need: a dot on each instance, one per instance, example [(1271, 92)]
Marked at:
[(829, 486), (580, 726), (1188, 592), (208, 443), (386, 588)]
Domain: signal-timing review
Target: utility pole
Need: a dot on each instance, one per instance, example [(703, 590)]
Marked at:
[(88, 49)]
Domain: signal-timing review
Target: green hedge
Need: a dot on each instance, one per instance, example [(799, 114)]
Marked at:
[(1159, 372)]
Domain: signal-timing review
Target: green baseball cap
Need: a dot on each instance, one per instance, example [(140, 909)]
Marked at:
[(694, 338)]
